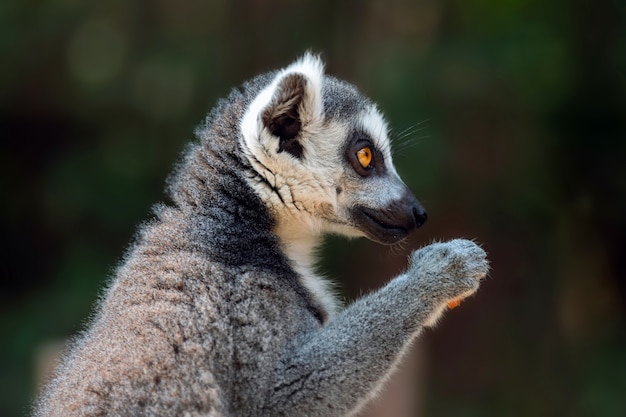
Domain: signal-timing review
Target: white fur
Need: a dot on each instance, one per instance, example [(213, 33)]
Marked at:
[(310, 66), (301, 190), (373, 122)]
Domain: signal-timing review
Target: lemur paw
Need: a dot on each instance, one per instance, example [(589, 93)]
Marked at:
[(450, 270)]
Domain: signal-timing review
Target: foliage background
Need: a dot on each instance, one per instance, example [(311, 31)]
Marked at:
[(516, 118)]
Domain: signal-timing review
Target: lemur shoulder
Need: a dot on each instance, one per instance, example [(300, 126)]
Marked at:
[(217, 309)]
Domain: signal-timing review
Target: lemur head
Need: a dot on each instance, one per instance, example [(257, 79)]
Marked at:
[(321, 159)]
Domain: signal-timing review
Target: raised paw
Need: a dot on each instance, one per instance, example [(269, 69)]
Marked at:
[(450, 270)]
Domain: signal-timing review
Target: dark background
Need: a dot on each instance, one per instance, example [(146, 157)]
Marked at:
[(510, 126)]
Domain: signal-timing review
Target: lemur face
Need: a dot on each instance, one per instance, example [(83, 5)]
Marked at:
[(378, 203), (321, 158)]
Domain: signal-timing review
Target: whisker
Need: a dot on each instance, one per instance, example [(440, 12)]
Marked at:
[(407, 131), (406, 146), (398, 249), (411, 143), (405, 139)]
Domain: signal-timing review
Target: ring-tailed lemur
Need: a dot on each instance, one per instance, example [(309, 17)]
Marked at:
[(217, 310)]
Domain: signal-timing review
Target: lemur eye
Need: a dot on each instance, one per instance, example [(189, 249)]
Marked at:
[(364, 155)]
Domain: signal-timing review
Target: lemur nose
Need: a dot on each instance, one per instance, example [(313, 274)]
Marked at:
[(420, 215), (416, 209)]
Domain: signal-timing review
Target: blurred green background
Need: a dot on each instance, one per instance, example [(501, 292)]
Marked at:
[(514, 113)]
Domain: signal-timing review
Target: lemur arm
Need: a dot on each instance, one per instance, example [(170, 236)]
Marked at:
[(336, 367)]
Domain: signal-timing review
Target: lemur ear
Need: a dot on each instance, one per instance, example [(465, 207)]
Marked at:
[(283, 116), (290, 105)]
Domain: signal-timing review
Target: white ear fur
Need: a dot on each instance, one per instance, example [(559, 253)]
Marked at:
[(311, 68)]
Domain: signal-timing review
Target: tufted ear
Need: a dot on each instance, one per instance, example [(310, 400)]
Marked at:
[(283, 115), (288, 106)]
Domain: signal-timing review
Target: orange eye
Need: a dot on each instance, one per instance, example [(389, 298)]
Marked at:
[(364, 155)]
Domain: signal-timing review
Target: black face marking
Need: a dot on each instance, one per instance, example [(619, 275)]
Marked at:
[(358, 142)]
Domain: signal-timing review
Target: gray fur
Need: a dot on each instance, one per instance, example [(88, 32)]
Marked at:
[(341, 100), (208, 315)]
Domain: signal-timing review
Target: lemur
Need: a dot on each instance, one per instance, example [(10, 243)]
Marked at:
[(217, 309)]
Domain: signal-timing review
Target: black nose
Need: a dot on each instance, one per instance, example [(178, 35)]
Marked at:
[(419, 214), (414, 210), (407, 213)]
